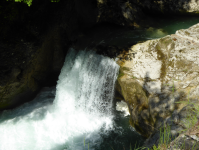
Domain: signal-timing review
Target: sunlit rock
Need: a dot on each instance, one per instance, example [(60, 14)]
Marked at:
[(163, 72)]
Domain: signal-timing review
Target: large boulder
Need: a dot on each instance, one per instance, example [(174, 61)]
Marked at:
[(157, 74), (29, 73)]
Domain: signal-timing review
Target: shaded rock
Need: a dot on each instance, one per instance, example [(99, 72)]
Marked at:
[(33, 75), (170, 7), (137, 102), (15, 72), (34, 42), (135, 13)]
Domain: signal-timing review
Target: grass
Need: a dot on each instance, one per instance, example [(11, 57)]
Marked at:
[(165, 137)]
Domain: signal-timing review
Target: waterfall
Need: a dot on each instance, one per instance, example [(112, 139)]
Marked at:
[(79, 113)]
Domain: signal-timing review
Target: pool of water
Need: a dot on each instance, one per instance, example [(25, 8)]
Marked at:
[(121, 137), (124, 37), (124, 137)]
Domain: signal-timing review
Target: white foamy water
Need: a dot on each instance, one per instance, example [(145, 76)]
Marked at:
[(123, 107), (80, 112)]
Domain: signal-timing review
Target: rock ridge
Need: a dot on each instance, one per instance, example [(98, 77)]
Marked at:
[(163, 73)]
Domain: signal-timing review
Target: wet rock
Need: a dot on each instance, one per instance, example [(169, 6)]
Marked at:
[(33, 44)]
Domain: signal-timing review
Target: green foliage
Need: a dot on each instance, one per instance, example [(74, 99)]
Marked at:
[(29, 2)]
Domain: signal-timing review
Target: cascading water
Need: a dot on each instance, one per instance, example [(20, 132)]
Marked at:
[(79, 116), (81, 111)]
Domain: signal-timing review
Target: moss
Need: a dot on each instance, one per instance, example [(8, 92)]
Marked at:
[(163, 45), (164, 42), (183, 65), (121, 71), (134, 77), (125, 68), (29, 2), (161, 57), (120, 74), (187, 33), (151, 120), (158, 47)]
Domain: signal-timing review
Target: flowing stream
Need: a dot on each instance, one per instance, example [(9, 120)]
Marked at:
[(79, 113)]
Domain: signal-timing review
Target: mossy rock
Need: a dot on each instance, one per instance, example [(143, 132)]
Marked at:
[(165, 43)]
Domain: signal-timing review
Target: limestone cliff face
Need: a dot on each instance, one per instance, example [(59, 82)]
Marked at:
[(163, 72)]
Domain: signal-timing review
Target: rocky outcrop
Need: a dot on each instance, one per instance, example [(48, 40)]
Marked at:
[(28, 74), (121, 12), (162, 73), (170, 6), (135, 13)]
